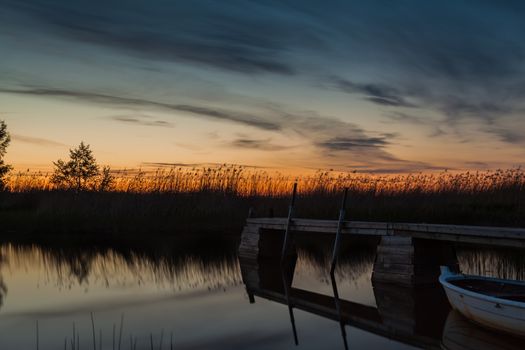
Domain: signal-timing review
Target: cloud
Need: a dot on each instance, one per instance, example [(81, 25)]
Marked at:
[(348, 143), (141, 120), (37, 141), (507, 135), (199, 165), (263, 145), (336, 143), (114, 100), (408, 118), (376, 93), (222, 37)]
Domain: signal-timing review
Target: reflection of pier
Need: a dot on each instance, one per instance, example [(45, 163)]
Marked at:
[(403, 314)]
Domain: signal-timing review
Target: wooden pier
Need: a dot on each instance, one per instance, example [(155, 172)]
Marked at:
[(408, 253)]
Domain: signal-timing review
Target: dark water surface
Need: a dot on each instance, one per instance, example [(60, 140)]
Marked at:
[(194, 298)]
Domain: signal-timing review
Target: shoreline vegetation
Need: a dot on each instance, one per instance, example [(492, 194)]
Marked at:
[(183, 201)]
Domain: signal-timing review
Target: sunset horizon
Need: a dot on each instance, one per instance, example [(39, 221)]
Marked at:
[(267, 85)]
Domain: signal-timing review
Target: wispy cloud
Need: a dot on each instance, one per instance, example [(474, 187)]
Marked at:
[(37, 141), (376, 93), (507, 135), (115, 100), (143, 120), (214, 36), (406, 118), (257, 144), (351, 144), (195, 165), (332, 138)]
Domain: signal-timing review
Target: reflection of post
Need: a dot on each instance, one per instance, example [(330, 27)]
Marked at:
[(262, 274), (338, 308), (287, 284)]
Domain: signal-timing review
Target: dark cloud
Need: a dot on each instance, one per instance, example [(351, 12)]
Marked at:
[(37, 141), (347, 143), (231, 36), (106, 99), (141, 120), (507, 135), (263, 145), (439, 56), (375, 93), (408, 118), (333, 138)]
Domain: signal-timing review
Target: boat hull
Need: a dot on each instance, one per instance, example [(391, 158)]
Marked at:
[(496, 313)]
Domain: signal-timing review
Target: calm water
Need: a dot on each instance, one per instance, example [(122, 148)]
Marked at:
[(197, 300)]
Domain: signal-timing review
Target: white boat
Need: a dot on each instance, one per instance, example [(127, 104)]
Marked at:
[(491, 302)]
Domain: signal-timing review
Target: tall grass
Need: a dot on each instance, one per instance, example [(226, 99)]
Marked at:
[(240, 181), (218, 199)]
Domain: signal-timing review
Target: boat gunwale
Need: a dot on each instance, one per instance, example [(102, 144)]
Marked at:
[(445, 277)]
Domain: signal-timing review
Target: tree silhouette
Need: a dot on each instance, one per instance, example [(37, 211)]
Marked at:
[(79, 172), (4, 142)]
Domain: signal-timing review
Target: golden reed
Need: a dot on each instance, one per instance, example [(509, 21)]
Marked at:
[(249, 182)]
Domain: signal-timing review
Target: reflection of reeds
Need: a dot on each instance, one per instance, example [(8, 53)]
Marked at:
[(352, 265), (125, 267), (500, 263)]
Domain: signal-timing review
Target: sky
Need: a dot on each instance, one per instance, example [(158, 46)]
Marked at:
[(368, 86)]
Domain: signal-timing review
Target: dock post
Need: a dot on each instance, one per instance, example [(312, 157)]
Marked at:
[(337, 243), (288, 224)]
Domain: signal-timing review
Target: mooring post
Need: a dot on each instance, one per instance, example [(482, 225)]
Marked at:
[(288, 224), (337, 243)]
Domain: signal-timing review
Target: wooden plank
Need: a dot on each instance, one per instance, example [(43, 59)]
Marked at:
[(501, 236), (403, 269), (407, 250), (394, 259), (395, 278), (496, 241), (396, 240)]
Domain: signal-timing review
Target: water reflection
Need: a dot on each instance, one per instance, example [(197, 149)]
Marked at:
[(499, 263), (119, 267), (197, 292), (3, 287), (461, 334), (401, 313), (419, 317)]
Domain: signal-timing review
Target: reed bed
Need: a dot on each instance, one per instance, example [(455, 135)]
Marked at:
[(218, 199), (240, 181)]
